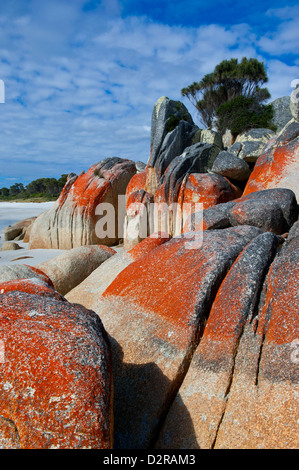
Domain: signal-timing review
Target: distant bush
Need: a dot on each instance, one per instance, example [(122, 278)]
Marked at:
[(42, 188)]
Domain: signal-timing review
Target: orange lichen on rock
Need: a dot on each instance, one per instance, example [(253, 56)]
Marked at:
[(137, 182), (55, 380), (208, 379), (72, 220), (90, 290), (41, 274), (278, 167), (178, 264), (154, 311), (208, 189), (278, 320), (31, 286), (260, 409), (149, 244)]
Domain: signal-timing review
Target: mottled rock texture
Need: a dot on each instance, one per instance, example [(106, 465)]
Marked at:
[(273, 210), (90, 290), (154, 312), (294, 103), (253, 143), (202, 397), (18, 230), (265, 380), (11, 272), (73, 266), (177, 172), (241, 389), (211, 137), (72, 220), (278, 166), (55, 373), (282, 112), (231, 166)]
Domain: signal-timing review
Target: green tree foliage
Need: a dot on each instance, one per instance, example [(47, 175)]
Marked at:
[(42, 187), (4, 192), (229, 80), (241, 113)]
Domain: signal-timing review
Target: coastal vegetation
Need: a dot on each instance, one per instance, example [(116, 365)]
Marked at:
[(232, 96), (39, 190)]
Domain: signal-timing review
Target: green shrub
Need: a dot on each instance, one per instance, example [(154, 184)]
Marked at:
[(241, 114)]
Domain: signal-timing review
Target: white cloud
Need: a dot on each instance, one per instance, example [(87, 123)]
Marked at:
[(285, 39), (81, 86)]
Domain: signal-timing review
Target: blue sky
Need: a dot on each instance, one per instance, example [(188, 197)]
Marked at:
[(81, 77)]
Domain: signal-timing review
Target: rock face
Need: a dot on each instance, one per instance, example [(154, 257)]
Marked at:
[(273, 210), (154, 312), (231, 166), (240, 390), (211, 137), (203, 394), (72, 221), (173, 145), (278, 166), (21, 271), (177, 173), (18, 230), (55, 373), (282, 112), (90, 290), (71, 268), (253, 143), (294, 103), (166, 116), (265, 381)]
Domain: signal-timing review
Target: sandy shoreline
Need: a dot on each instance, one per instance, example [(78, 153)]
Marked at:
[(11, 212)]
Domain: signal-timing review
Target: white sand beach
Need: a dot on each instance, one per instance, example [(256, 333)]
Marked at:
[(11, 212)]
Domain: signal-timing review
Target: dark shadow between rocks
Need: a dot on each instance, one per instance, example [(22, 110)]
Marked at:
[(139, 409)]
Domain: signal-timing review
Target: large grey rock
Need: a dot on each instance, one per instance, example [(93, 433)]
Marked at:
[(165, 118), (174, 143), (282, 112), (235, 149), (140, 166), (294, 103), (230, 166), (253, 143), (198, 158), (211, 137), (273, 210)]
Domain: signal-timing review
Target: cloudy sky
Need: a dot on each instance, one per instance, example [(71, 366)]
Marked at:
[(81, 77)]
